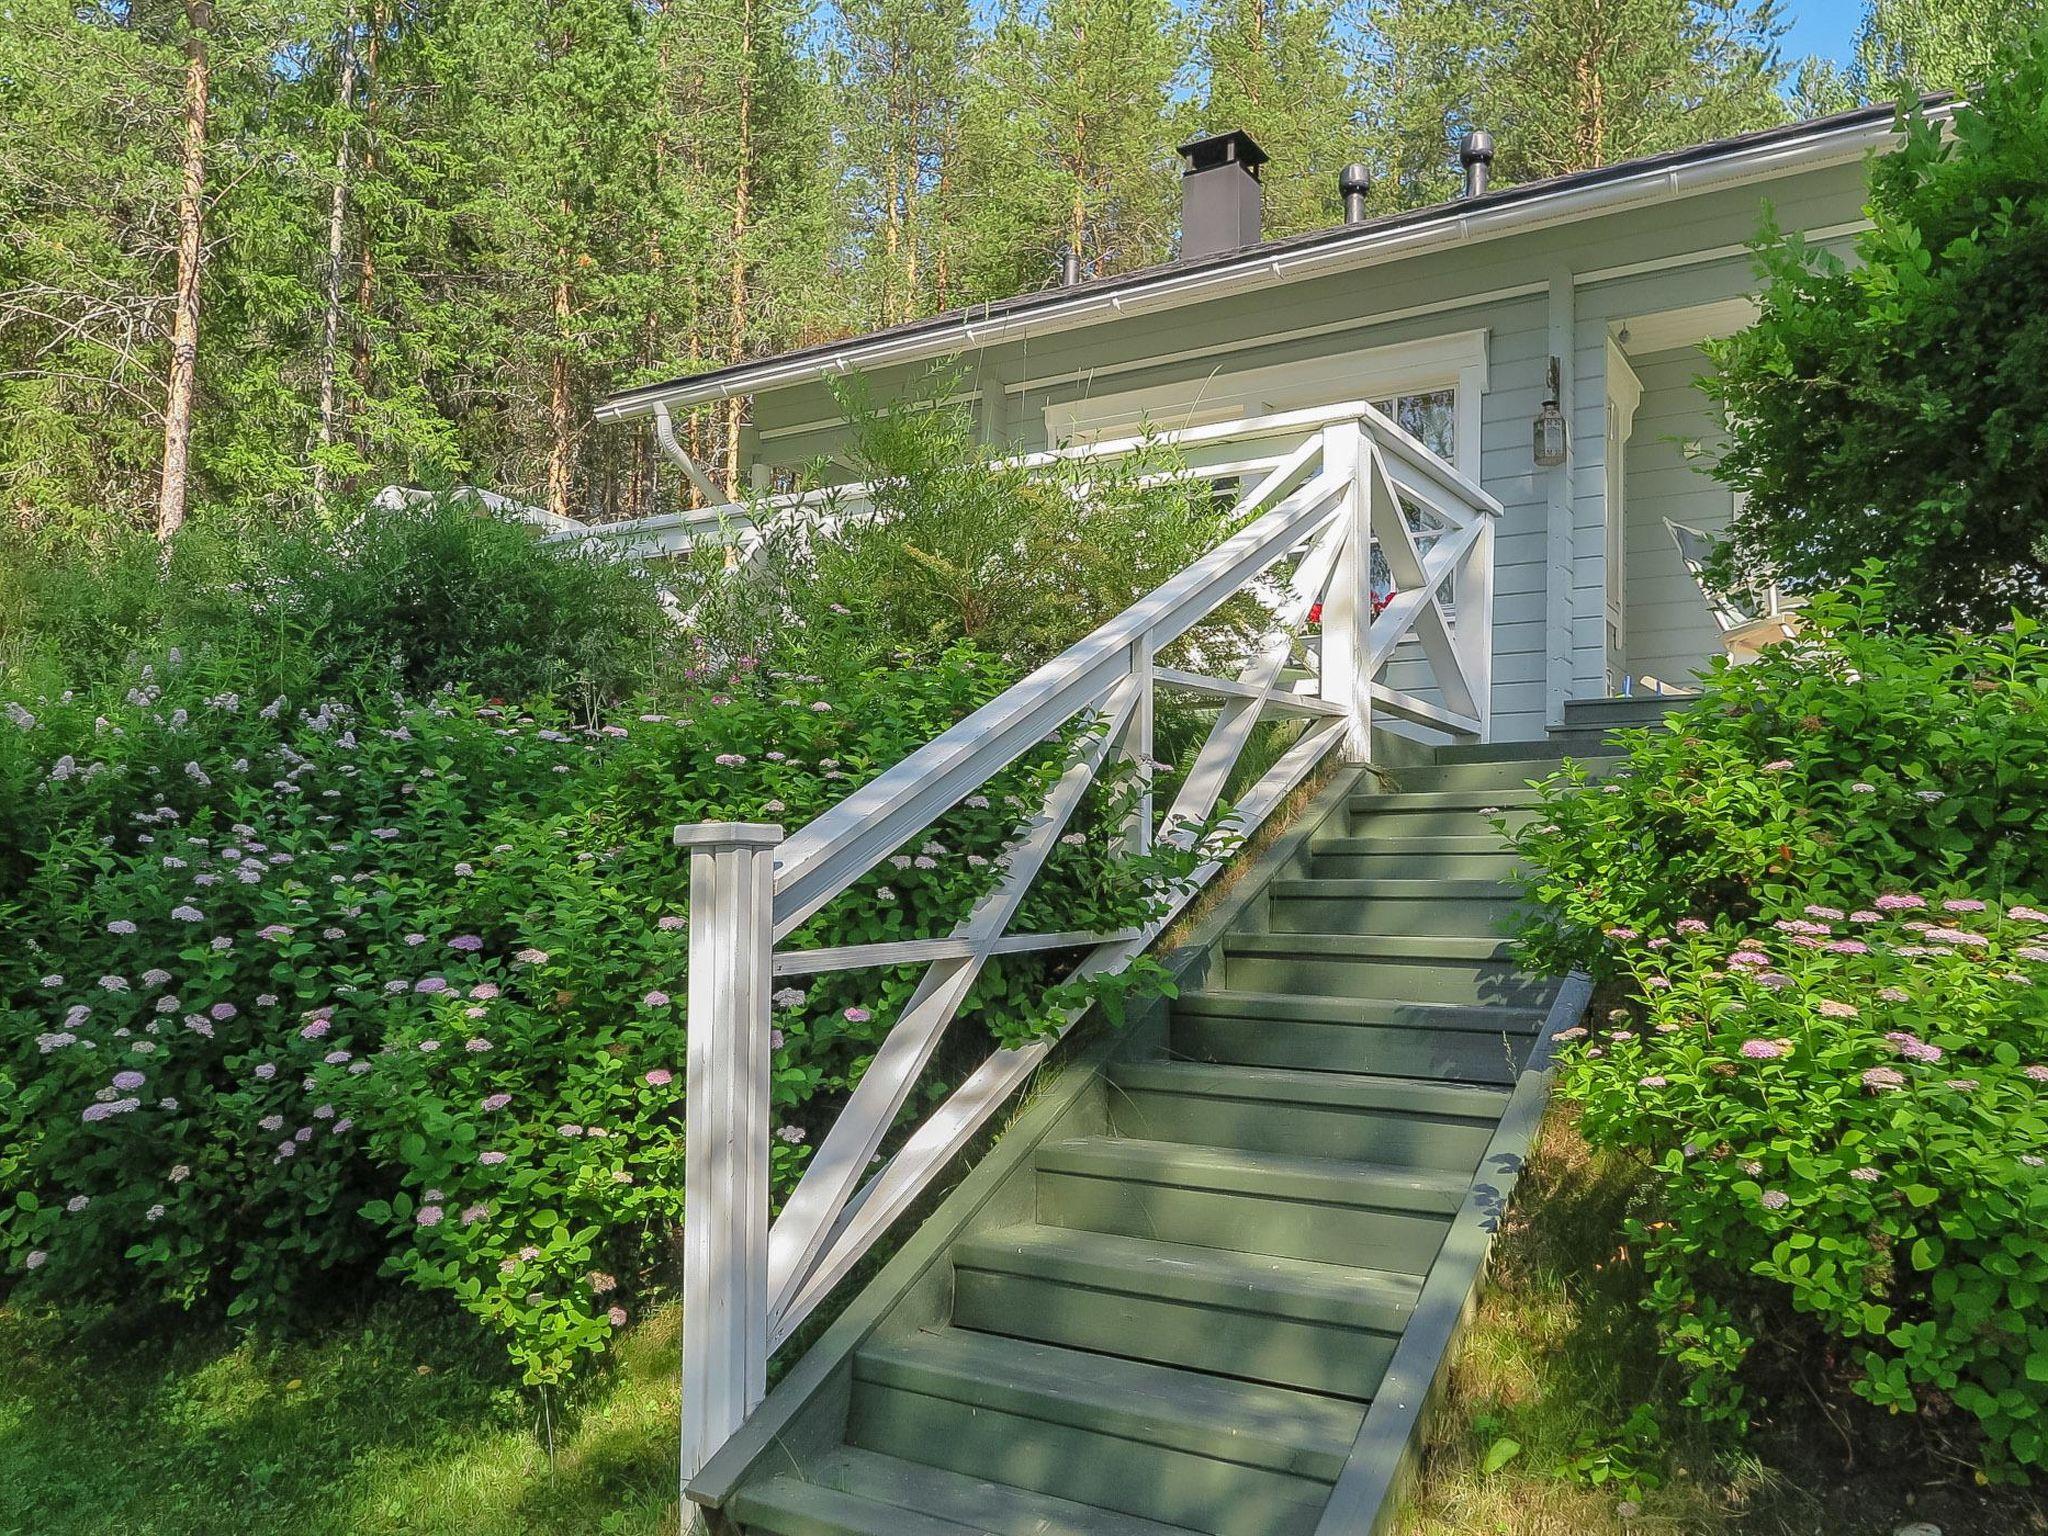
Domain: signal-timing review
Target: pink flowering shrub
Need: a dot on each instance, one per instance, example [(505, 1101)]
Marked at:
[(1857, 756), (1850, 1140), (1822, 897), (303, 986)]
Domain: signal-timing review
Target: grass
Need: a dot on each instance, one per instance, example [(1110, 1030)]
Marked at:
[(400, 1422), (1560, 1420)]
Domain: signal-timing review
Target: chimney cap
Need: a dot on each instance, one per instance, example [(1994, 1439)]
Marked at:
[(1476, 148), (1355, 178), (1234, 146)]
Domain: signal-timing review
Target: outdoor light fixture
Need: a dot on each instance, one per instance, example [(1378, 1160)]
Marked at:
[(1551, 437)]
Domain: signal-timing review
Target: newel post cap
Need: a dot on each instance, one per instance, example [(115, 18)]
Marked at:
[(714, 835)]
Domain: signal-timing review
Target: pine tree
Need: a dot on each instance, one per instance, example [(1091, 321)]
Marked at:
[(897, 84), (1585, 83), (554, 138), (89, 213), (1068, 142), (1278, 70), (1908, 46)]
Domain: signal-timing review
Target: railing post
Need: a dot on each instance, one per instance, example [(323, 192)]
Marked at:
[(1347, 610), (725, 1180)]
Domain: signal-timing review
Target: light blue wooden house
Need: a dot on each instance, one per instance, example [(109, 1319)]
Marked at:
[(1464, 320)]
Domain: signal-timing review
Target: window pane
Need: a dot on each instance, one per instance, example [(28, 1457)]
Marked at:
[(1431, 418)]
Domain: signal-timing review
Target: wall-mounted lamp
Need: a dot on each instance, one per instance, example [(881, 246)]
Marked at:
[(1551, 438)]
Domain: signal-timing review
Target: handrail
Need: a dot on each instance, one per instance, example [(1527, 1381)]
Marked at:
[(1339, 485)]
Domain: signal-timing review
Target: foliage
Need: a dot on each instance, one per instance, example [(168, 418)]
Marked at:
[(419, 598), (1561, 1357), (1904, 47), (299, 986), (1562, 87), (436, 232), (1895, 408), (1862, 754), (954, 543), (1850, 1120), (1819, 891)]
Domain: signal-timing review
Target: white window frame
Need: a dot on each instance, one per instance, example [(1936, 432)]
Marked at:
[(1455, 361)]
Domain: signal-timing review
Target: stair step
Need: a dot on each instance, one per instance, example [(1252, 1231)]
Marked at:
[(1328, 1210), (1454, 1055), (1338, 1090), (790, 1506), (1404, 968), (1630, 709), (1406, 948), (1392, 888), (1403, 801), (1394, 1122), (1317, 1327), (1471, 1044), (1231, 1457), (1468, 856), (1484, 1019), (1441, 813), (1439, 908), (1545, 752), (888, 1496), (1489, 776)]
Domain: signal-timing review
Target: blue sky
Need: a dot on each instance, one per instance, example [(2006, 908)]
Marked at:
[(1825, 27)]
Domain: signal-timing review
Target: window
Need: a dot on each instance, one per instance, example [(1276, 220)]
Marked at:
[(1430, 417)]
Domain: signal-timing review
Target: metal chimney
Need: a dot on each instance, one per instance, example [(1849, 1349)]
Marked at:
[(1070, 268), (1475, 153), (1354, 181), (1221, 198)]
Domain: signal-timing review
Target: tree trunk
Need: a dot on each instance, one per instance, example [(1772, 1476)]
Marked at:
[(736, 313), (178, 396), (366, 265), (337, 215), (561, 417)]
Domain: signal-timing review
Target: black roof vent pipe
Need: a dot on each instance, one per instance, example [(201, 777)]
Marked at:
[(1070, 268), (1475, 153), (1354, 181), (1220, 195)]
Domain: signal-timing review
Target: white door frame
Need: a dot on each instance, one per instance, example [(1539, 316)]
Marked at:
[(1624, 394)]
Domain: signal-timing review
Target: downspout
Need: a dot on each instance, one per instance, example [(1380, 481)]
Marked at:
[(665, 435)]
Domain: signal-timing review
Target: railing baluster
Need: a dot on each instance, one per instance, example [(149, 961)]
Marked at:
[(1136, 745), (725, 1180)]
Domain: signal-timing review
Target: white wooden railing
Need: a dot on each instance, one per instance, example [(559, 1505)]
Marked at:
[(1327, 488)]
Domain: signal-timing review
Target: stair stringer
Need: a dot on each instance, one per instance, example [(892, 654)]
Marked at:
[(1380, 1471), (805, 1415)]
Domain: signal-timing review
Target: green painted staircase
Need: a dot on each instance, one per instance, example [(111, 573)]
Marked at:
[(1205, 1281)]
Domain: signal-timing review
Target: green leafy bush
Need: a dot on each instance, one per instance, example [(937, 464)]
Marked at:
[(300, 985), (1897, 408), (1865, 753), (1818, 893), (1849, 1124), (429, 596), (956, 543)]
